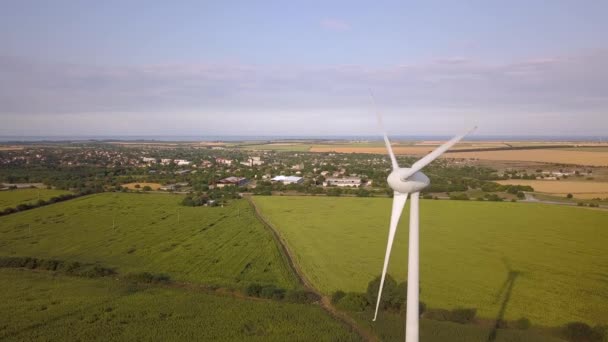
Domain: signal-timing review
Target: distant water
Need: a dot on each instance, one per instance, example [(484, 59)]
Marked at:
[(185, 138)]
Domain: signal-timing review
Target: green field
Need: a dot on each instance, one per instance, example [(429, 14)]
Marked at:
[(12, 198), (551, 260), (42, 307), (140, 232), (391, 327)]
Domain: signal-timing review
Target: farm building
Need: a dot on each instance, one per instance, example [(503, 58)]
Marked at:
[(253, 161), (354, 182), (166, 161), (232, 181), (223, 161), (182, 162), (287, 179), (148, 160)]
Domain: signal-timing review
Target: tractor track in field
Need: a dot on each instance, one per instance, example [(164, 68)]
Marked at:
[(325, 301)]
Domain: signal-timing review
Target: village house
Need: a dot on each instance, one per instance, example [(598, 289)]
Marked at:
[(353, 182), (232, 181), (288, 179), (223, 161)]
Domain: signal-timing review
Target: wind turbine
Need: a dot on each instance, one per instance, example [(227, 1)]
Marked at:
[(405, 181)]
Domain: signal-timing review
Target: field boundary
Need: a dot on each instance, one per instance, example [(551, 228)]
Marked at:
[(325, 301)]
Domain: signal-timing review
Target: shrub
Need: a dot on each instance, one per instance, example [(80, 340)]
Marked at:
[(522, 323), (97, 272), (301, 296), (253, 290), (147, 188), (463, 316), (149, 278), (459, 197), (272, 292), (353, 302), (579, 331), (437, 314), (569, 196), (336, 296)]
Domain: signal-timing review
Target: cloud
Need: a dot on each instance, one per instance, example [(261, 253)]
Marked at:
[(567, 89), (333, 24)]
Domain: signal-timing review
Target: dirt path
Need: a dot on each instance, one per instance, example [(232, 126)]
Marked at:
[(325, 301)]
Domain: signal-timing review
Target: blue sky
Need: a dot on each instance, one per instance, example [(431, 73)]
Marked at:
[(286, 67)]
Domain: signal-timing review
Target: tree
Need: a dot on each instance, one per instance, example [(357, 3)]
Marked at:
[(390, 295), (569, 196)]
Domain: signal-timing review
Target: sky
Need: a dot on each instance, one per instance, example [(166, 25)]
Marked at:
[(209, 68)]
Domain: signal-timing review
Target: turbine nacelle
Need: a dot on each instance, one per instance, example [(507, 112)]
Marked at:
[(401, 180)]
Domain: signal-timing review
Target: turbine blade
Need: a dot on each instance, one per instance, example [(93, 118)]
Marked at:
[(386, 141), (399, 200), (426, 160)]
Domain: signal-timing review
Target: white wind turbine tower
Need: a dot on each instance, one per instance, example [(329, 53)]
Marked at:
[(406, 181)]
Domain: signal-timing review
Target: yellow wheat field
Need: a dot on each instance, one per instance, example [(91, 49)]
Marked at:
[(584, 190)]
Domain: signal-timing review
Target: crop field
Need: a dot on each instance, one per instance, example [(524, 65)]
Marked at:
[(550, 260), (151, 233), (580, 189), (556, 156), (12, 198), (41, 306), (132, 186)]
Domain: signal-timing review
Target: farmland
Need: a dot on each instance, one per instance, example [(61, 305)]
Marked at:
[(579, 157), (133, 186), (554, 256), (580, 189), (42, 306), (12, 198), (150, 233)]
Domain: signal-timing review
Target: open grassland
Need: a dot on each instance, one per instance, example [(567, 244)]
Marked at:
[(580, 189), (552, 258), (132, 186), (143, 233), (42, 307), (12, 198)]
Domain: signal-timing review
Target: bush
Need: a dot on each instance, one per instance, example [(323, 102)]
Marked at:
[(437, 314), (147, 188), (336, 296), (353, 302), (522, 323), (301, 296), (149, 278), (463, 316), (459, 197), (579, 331), (253, 290), (272, 292), (569, 196)]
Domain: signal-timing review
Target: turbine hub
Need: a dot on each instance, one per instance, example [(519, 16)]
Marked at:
[(414, 183)]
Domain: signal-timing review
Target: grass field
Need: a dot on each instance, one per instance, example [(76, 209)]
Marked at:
[(391, 327), (553, 258), (12, 198), (222, 246), (42, 307)]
